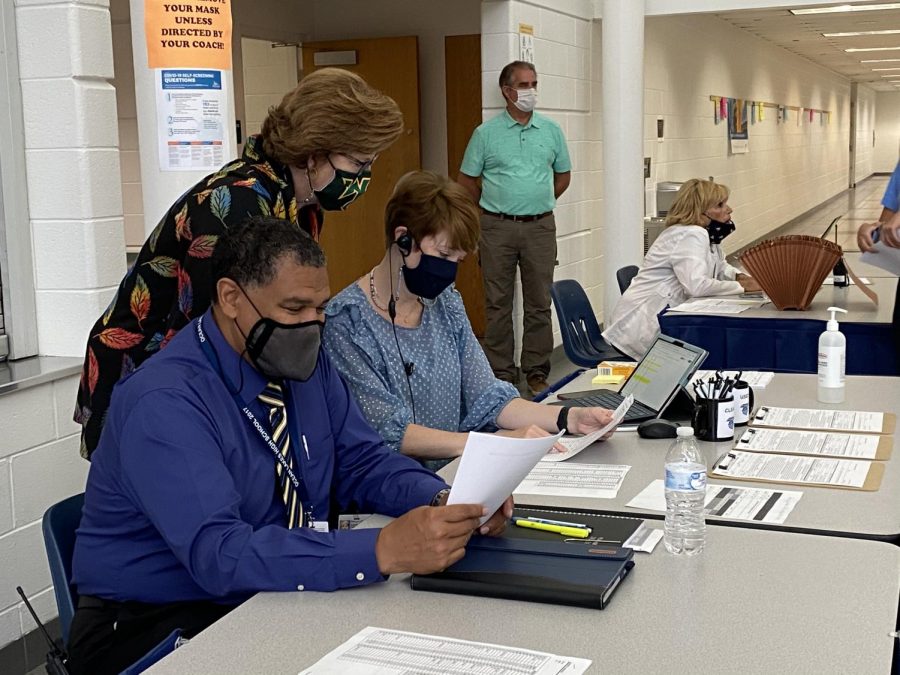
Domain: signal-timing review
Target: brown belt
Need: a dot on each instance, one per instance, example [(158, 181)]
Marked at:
[(517, 219)]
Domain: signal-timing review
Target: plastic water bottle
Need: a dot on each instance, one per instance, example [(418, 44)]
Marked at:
[(685, 530)]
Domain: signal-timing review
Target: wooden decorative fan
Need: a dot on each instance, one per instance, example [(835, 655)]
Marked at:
[(791, 269)]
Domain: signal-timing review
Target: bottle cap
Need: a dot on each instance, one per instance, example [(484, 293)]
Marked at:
[(832, 322), (684, 431)]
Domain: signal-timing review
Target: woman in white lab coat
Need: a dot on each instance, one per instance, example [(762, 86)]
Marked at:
[(686, 261)]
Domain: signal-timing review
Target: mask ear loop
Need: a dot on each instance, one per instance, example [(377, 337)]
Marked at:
[(392, 312)]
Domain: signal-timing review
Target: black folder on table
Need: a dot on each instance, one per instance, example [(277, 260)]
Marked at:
[(547, 569)]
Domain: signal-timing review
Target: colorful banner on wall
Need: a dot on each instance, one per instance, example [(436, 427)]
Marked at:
[(194, 34), (191, 109), (737, 126)]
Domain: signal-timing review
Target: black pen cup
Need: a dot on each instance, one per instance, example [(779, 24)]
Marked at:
[(743, 403), (714, 419)]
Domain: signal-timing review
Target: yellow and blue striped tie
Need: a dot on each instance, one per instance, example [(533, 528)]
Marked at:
[(273, 398)]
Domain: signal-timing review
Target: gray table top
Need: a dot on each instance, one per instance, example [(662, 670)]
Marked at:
[(820, 510), (859, 308), (752, 602)]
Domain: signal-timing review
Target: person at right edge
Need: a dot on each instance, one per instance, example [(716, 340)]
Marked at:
[(889, 230), (524, 166)]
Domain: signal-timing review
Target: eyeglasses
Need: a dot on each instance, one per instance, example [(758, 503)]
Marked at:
[(363, 166)]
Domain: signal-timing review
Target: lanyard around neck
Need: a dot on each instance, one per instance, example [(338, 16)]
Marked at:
[(213, 359)]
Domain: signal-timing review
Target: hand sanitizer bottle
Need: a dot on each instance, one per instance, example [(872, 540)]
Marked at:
[(832, 360)]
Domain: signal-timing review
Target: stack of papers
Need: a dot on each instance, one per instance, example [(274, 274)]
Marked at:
[(593, 481), (738, 503), (717, 306), (379, 651)]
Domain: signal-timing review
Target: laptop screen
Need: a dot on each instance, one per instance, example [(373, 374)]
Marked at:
[(666, 365)]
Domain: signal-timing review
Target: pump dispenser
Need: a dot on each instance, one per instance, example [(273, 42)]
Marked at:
[(832, 360)]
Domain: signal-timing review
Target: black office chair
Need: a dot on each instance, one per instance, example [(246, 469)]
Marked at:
[(580, 333), (624, 275)]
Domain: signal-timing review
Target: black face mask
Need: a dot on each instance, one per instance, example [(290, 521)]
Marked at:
[(431, 277), (283, 351), (718, 230)]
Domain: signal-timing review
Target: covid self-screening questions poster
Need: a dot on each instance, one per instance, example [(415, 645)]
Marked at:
[(189, 48)]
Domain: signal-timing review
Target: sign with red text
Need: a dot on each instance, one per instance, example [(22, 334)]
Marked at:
[(194, 34)]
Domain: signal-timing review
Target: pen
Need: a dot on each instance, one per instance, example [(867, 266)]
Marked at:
[(579, 532), (557, 522)]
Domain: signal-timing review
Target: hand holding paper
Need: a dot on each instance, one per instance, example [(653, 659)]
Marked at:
[(575, 444), (492, 466)]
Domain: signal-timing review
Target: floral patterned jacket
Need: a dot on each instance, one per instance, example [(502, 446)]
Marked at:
[(170, 282)]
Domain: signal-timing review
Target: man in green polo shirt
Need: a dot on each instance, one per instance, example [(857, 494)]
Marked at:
[(524, 166)]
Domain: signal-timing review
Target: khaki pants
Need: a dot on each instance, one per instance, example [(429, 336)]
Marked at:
[(504, 245)]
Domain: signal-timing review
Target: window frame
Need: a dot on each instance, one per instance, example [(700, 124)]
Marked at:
[(16, 252)]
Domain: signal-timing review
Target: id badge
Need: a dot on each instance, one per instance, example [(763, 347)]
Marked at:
[(319, 525)]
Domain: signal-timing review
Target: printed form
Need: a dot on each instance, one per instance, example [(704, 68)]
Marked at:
[(379, 651), (717, 306), (810, 418), (859, 446), (794, 469), (598, 481), (575, 444), (737, 503)]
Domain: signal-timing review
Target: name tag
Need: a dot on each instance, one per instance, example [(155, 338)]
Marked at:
[(320, 525)]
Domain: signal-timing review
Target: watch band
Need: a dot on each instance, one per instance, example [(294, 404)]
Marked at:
[(562, 421), (436, 500)]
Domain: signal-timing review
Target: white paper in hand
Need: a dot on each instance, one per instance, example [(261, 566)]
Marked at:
[(575, 444), (492, 466)]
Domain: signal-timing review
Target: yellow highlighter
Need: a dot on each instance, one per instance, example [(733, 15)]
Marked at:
[(578, 532)]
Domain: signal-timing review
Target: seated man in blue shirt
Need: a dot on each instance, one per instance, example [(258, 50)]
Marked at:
[(225, 459)]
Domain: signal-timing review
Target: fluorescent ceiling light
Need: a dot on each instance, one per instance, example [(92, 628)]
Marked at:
[(872, 49), (879, 60), (846, 8), (859, 33), (880, 69)]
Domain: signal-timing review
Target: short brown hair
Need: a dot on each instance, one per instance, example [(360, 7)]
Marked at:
[(694, 198), (506, 75), (330, 110), (428, 204)]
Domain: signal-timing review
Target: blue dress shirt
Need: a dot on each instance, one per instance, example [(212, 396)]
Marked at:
[(181, 502)]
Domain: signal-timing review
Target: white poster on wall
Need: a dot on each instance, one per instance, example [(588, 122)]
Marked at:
[(191, 110), (526, 43)]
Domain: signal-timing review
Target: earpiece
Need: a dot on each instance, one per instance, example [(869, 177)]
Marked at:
[(404, 243)]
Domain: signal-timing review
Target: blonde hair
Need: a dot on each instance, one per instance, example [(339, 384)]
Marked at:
[(694, 198), (428, 204), (330, 110)]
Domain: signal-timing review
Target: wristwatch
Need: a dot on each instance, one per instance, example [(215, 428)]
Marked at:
[(562, 421), (436, 501)]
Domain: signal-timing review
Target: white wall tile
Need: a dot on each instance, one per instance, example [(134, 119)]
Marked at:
[(10, 626), (6, 519), (96, 193), (64, 40), (65, 112), (98, 246), (77, 311), (24, 414), (44, 475), (64, 392), (497, 17), (44, 604), (23, 562), (497, 50)]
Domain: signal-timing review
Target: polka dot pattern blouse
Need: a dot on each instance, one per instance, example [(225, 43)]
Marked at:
[(453, 387)]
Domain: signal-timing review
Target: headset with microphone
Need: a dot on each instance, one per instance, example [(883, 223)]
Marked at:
[(404, 244)]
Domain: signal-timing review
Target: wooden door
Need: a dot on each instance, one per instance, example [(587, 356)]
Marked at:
[(462, 65), (354, 239)]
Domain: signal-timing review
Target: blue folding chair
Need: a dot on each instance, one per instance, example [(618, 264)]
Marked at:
[(581, 337), (59, 525), (624, 275)]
